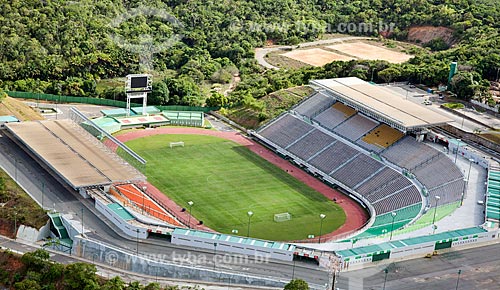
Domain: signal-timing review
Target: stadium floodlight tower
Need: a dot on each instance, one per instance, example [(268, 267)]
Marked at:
[(138, 86)]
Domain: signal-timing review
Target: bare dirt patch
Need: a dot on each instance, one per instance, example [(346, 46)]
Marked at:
[(424, 34), (367, 51), (316, 56)]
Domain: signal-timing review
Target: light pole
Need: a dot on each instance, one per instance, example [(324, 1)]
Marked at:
[(82, 221), (250, 214), (15, 174), (470, 166), (321, 217), (437, 197), (384, 231), (144, 188), (293, 269), (137, 243), (190, 203), (458, 278), (43, 192), (15, 223), (385, 279), (458, 147), (393, 214), (234, 232), (215, 253)]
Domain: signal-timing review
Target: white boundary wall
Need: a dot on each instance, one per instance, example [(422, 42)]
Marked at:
[(418, 250), (125, 227), (232, 247)]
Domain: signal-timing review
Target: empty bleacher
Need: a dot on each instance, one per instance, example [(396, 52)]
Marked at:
[(408, 153), (316, 103), (333, 116), (357, 170), (403, 198), (383, 177), (355, 127), (383, 223), (286, 130), (380, 138), (448, 193), (386, 189), (306, 147), (333, 157), (438, 171)]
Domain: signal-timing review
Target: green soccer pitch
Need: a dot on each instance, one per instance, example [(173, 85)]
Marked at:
[(226, 180)]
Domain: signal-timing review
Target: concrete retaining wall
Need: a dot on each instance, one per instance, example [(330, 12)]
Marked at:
[(157, 266)]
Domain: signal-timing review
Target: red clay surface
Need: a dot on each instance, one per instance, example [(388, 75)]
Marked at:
[(356, 216)]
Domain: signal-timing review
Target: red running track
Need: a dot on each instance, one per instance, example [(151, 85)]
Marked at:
[(356, 216)]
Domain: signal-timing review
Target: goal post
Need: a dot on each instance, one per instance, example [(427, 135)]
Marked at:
[(282, 217), (176, 144)]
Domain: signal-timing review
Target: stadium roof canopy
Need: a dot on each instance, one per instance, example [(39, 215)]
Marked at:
[(380, 104), (75, 155)]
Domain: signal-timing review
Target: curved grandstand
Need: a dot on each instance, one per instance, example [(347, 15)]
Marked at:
[(361, 138)]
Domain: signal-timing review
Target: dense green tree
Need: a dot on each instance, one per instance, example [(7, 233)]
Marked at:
[(297, 284), (80, 276)]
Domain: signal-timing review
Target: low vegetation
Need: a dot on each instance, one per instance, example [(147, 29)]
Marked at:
[(454, 105), (12, 107), (253, 113), (17, 207), (34, 271)]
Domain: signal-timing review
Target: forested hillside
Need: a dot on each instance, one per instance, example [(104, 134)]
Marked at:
[(64, 47)]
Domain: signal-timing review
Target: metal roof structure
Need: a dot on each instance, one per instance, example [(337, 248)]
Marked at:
[(380, 104), (73, 153)]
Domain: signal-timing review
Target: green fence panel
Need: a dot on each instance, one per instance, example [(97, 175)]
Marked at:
[(102, 102), (443, 245), (71, 99)]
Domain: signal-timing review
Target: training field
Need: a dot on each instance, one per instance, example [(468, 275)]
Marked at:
[(316, 56), (226, 180), (367, 51)]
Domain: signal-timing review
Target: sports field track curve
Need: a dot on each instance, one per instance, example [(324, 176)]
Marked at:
[(356, 217)]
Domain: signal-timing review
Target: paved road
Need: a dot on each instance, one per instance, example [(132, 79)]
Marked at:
[(479, 268), (260, 53), (55, 196), (107, 271)]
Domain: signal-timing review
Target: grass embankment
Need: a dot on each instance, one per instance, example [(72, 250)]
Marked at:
[(12, 107), (17, 204), (272, 104), (226, 180)]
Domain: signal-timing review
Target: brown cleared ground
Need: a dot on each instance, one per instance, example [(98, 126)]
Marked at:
[(367, 51), (316, 56), (12, 107)]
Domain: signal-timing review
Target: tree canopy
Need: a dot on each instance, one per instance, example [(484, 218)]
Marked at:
[(64, 47)]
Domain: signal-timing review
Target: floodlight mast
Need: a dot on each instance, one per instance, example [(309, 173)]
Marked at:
[(138, 86)]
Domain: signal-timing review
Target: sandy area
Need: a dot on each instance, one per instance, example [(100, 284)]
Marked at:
[(316, 56), (363, 50)]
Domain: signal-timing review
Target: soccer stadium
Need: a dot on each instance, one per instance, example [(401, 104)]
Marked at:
[(348, 163)]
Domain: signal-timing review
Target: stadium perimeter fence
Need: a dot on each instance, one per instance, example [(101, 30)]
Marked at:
[(101, 102)]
